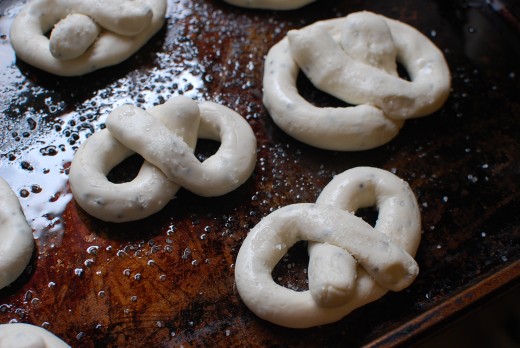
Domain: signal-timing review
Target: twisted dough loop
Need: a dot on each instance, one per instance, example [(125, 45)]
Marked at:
[(165, 136), (17, 241), (353, 263), (354, 59), (87, 35)]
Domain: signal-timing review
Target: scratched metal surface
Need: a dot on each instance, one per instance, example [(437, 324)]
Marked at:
[(168, 280)]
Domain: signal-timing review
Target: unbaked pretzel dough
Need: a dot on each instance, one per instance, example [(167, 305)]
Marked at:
[(165, 136), (87, 35), (354, 59), (19, 335), (271, 4), (16, 237), (352, 262)]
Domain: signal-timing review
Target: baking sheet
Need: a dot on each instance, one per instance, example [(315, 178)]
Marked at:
[(168, 280)]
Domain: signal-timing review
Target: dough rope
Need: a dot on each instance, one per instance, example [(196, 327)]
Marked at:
[(270, 4), (30, 336), (354, 59), (350, 262), (87, 35), (165, 136), (17, 241)]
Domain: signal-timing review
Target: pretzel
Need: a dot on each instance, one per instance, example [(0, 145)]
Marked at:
[(87, 35), (270, 4), (17, 241), (30, 336), (165, 136), (354, 59), (350, 262)]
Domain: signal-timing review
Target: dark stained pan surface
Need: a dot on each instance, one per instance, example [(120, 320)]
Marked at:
[(168, 280)]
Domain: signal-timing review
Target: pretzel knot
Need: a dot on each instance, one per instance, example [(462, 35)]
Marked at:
[(351, 263), (165, 136), (354, 59), (84, 35), (16, 237)]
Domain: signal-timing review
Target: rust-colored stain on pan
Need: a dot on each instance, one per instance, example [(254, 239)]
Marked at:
[(168, 280)]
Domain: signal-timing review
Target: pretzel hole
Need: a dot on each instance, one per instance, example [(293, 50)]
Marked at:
[(315, 96), (48, 33), (206, 148), (402, 72), (368, 214), (127, 170), (291, 271)]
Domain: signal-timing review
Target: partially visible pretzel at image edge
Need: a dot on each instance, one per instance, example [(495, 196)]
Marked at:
[(354, 59), (16, 237), (351, 263), (28, 336), (165, 136), (84, 35)]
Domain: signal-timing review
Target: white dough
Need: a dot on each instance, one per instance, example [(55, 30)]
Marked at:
[(165, 136), (72, 36), (375, 259), (398, 218), (19, 335), (76, 48), (16, 237), (354, 59), (271, 4)]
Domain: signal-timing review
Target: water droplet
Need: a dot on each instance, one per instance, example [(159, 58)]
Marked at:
[(186, 253), (93, 250), (28, 295), (171, 230)]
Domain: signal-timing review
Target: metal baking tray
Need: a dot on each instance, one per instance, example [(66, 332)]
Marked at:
[(168, 280)]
